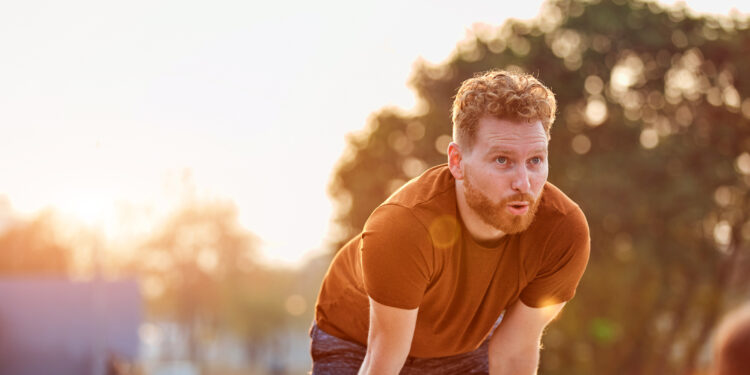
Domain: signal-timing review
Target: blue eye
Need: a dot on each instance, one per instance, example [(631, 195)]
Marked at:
[(502, 160), (535, 160)]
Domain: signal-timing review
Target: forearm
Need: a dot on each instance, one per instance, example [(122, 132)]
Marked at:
[(389, 339), (518, 364), (379, 362), (384, 356), (516, 355), (514, 346)]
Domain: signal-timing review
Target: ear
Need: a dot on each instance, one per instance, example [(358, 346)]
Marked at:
[(455, 161)]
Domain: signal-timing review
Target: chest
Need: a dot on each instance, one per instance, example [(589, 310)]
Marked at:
[(469, 278)]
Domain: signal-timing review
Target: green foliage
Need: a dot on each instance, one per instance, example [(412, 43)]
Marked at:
[(652, 140)]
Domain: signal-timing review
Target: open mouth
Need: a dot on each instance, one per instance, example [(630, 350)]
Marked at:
[(518, 208)]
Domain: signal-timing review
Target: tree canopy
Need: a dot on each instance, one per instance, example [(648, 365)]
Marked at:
[(652, 140)]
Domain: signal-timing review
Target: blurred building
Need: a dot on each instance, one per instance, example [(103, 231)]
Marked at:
[(57, 326)]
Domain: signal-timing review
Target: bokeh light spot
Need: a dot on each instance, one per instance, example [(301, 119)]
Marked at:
[(444, 231), (496, 45), (580, 144), (596, 112), (746, 108), (743, 163), (731, 97), (442, 142), (723, 196), (623, 243), (295, 305), (655, 100), (566, 43), (594, 85), (626, 73), (520, 45), (713, 97), (723, 233), (413, 167), (679, 39), (415, 131), (649, 138), (400, 142)]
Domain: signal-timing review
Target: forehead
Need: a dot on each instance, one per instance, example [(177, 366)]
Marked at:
[(520, 136)]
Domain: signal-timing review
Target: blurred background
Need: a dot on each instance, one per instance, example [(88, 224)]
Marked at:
[(175, 177)]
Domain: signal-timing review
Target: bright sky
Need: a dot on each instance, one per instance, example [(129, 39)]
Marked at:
[(112, 111)]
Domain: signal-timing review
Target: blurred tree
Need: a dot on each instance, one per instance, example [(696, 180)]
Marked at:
[(32, 248), (199, 268), (652, 140)]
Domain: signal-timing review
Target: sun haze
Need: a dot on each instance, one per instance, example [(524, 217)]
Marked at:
[(114, 112)]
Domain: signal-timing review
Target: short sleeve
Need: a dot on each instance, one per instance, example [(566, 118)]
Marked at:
[(394, 250), (565, 260)]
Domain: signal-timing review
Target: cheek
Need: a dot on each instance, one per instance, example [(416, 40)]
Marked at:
[(538, 180)]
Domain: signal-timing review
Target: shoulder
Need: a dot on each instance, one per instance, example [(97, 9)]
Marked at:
[(421, 214), (419, 206), (394, 219), (558, 247), (432, 185), (553, 199), (559, 212), (559, 226)]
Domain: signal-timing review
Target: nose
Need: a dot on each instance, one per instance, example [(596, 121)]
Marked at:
[(520, 182)]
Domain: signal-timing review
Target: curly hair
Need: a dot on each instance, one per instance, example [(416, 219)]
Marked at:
[(504, 95)]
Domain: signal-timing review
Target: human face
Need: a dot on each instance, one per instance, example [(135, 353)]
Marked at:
[(505, 171)]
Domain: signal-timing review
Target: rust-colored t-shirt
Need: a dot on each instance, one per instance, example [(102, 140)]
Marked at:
[(415, 252)]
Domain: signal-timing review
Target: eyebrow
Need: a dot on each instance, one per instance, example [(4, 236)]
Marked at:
[(493, 150)]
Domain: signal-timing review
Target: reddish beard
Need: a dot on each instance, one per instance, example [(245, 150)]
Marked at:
[(496, 214)]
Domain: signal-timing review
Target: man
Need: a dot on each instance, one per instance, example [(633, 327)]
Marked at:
[(420, 290)]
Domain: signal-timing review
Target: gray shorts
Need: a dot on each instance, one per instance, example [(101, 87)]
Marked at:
[(334, 356)]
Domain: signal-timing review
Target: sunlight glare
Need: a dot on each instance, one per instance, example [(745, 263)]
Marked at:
[(120, 114)]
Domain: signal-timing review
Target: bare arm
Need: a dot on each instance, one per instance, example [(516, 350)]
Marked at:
[(389, 339), (514, 347)]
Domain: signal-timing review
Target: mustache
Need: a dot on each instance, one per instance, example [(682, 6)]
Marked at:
[(519, 197)]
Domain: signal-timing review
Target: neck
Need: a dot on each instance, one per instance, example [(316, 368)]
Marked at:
[(481, 231)]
